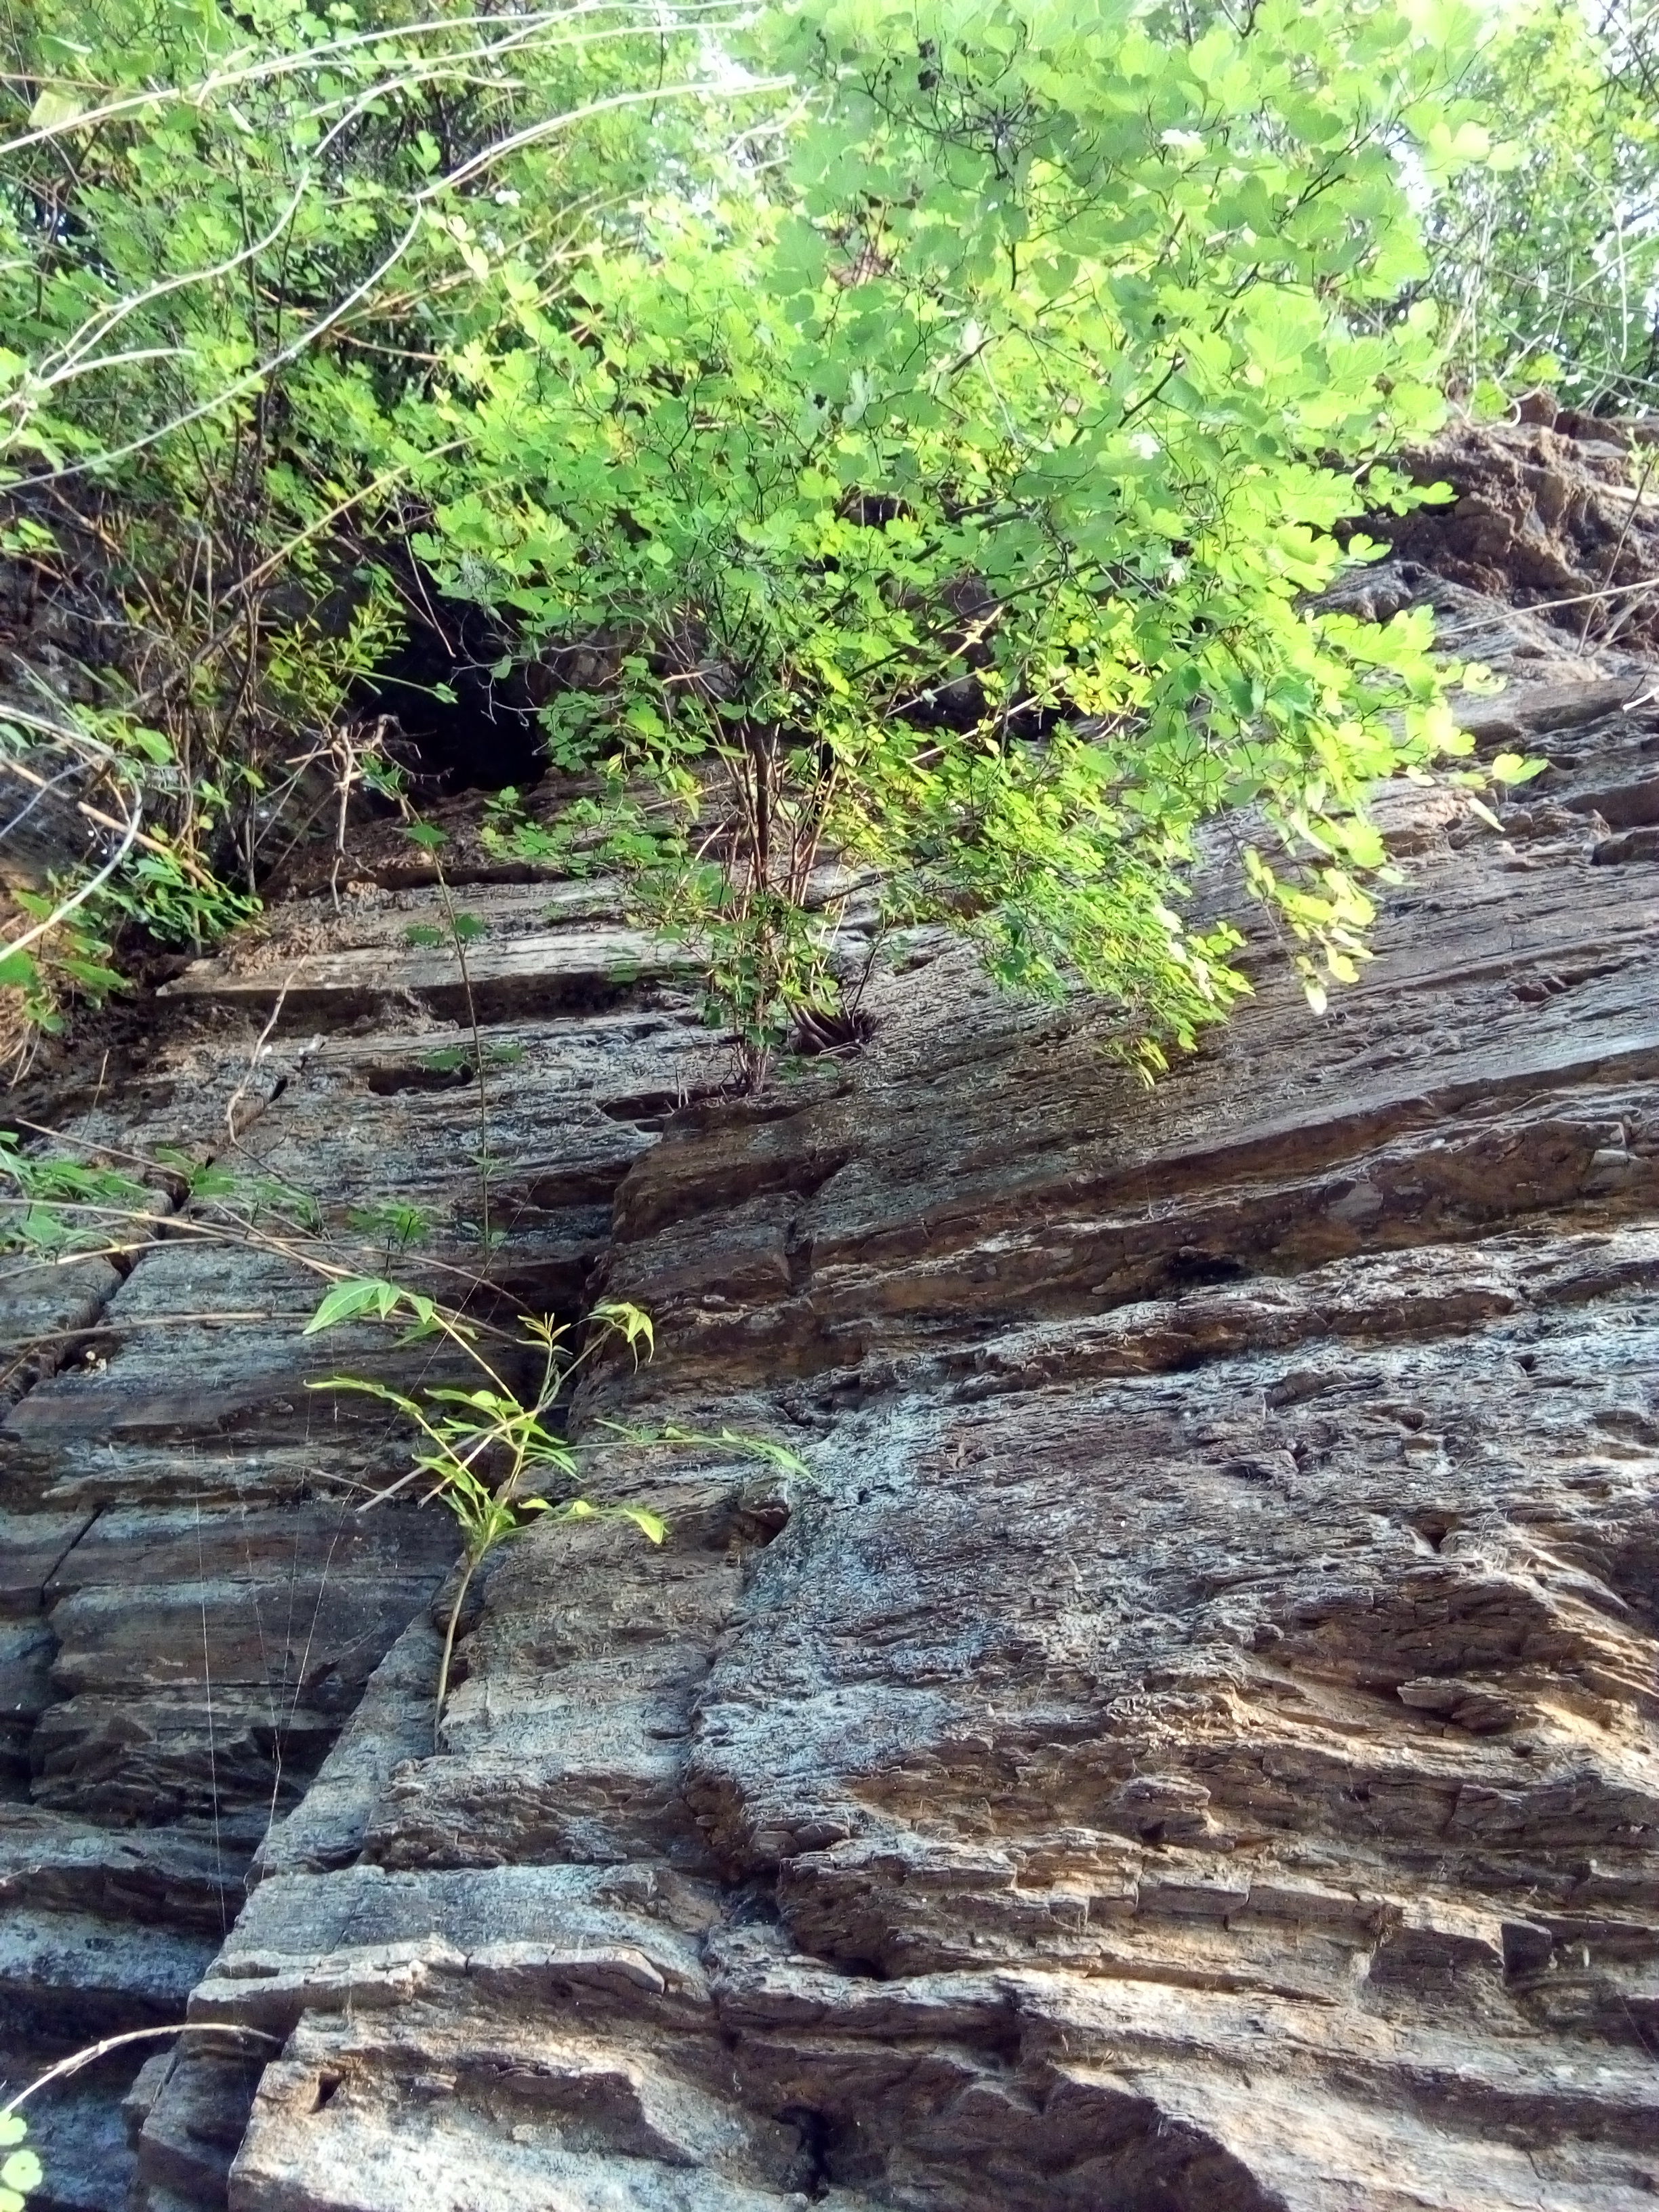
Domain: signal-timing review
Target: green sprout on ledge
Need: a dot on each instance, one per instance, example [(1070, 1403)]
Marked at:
[(488, 1452)]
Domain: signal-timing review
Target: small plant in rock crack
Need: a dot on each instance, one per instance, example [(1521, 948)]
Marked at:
[(453, 1060), (396, 1223), (60, 1205), (59, 1208), (487, 1452)]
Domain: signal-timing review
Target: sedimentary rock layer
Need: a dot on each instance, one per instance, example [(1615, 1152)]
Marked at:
[(193, 1600), (1187, 1745)]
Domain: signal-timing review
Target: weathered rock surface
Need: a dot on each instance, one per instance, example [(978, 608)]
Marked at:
[(1557, 511), (193, 1601), (1190, 1745)]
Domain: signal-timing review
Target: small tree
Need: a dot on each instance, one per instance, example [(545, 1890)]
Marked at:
[(950, 506)]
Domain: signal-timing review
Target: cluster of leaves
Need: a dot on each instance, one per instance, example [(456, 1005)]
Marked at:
[(60, 1204), (950, 509), (901, 445), (19, 2169), (1545, 259), (59, 1207), (101, 774), (231, 242)]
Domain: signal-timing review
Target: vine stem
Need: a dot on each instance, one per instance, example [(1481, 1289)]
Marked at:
[(1612, 560), (473, 1560), (94, 2052), (458, 941)]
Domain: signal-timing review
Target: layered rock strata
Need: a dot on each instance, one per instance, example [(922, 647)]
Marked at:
[(193, 1600), (1187, 1745)]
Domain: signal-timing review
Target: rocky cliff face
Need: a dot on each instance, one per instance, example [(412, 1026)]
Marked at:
[(1189, 1747)]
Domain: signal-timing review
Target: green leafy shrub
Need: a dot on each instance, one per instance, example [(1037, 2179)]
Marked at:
[(1546, 258), (233, 241), (906, 445), (106, 772), (950, 508)]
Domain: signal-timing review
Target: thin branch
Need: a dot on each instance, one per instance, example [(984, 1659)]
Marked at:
[(94, 2052)]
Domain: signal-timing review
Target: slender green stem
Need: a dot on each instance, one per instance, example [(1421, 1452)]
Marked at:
[(474, 1560), (458, 941)]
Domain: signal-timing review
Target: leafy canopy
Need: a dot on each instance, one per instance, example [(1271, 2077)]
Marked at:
[(922, 468), (951, 507), (1545, 259), (232, 240)]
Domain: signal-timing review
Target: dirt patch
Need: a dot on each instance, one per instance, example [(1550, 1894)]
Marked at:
[(1558, 507)]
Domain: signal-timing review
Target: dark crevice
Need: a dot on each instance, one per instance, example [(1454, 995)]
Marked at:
[(809, 2170), (1194, 1267), (462, 697), (652, 1109)]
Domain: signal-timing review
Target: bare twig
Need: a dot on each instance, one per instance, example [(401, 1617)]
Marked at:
[(1619, 547), (94, 2052), (258, 1054)]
